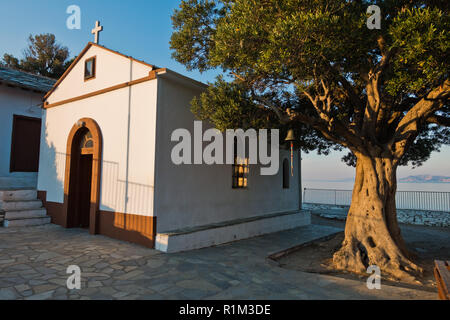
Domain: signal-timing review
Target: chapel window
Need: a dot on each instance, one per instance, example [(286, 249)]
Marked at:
[(89, 68), (87, 143), (240, 170)]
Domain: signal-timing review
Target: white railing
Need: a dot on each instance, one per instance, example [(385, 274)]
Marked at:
[(413, 200)]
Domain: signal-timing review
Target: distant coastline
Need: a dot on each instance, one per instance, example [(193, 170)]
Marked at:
[(409, 179), (425, 179)]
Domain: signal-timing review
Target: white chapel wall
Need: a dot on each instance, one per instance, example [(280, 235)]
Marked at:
[(122, 190), (111, 69), (195, 195)]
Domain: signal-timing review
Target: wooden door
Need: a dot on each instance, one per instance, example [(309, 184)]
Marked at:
[(25, 144), (84, 189)]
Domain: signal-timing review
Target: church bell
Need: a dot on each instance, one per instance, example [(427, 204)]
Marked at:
[(290, 136)]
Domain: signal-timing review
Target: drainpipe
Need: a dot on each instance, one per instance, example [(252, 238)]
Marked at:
[(127, 167), (300, 179)]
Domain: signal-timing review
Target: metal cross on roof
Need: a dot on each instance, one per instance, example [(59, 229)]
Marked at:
[(98, 28)]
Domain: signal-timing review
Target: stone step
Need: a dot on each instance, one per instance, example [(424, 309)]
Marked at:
[(19, 205), (25, 214), (229, 231), (22, 181), (17, 195), (27, 222)]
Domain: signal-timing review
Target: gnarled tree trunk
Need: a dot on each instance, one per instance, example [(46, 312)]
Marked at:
[(372, 234)]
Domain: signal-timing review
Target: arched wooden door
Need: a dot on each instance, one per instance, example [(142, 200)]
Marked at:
[(82, 178)]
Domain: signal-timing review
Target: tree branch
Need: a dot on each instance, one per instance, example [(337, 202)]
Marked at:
[(386, 56), (439, 120), (408, 127), (282, 117), (329, 124), (372, 109), (237, 76)]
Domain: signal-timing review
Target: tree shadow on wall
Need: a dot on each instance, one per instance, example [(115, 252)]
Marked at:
[(51, 179), (111, 221)]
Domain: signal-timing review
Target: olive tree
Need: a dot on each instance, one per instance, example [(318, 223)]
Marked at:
[(315, 66)]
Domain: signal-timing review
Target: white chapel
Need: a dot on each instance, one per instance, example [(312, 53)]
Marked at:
[(105, 162)]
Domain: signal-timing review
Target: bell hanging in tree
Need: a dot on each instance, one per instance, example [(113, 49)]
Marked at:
[(291, 138)]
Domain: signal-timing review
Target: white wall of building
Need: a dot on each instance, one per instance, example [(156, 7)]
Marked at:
[(111, 69), (126, 118), (20, 102), (138, 176), (195, 195)]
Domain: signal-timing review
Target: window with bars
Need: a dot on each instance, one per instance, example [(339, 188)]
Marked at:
[(240, 174), (87, 143), (240, 170)]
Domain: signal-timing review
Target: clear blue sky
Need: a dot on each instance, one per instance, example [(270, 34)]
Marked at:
[(142, 29)]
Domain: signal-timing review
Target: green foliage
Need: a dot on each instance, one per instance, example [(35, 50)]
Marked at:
[(43, 56), (422, 40), (197, 20), (10, 61), (229, 104), (279, 51)]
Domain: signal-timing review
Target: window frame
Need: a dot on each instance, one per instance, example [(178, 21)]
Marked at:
[(94, 68), (85, 138), (239, 170), (237, 175)]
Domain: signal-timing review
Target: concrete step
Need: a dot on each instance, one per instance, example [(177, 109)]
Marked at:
[(27, 222), (229, 231), (18, 205), (19, 181), (25, 214), (17, 195)]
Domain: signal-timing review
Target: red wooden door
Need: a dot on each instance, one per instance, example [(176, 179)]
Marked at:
[(25, 143)]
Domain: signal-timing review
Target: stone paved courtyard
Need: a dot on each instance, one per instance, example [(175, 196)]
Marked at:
[(33, 263)]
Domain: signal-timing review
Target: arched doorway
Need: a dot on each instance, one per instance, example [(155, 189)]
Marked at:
[(286, 174), (82, 176)]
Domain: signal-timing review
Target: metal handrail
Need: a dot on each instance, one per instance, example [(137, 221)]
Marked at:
[(414, 200)]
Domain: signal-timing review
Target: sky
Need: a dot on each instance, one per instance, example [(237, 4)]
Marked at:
[(142, 29), (332, 168)]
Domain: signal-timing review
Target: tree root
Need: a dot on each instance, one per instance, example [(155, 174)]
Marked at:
[(357, 257)]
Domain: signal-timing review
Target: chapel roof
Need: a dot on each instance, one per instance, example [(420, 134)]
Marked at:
[(25, 80)]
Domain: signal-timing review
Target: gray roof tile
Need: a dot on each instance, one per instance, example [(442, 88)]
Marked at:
[(26, 80)]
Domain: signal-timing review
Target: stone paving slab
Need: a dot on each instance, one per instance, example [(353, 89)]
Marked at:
[(33, 263)]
